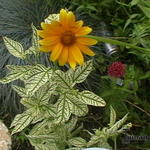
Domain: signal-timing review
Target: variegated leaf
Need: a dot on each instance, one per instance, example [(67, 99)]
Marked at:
[(124, 128), (78, 142), (112, 116), (37, 78), (52, 17), (117, 125), (90, 98), (44, 93), (77, 108), (70, 125), (63, 109), (63, 79), (50, 146), (28, 102), (15, 48), (39, 128), (21, 121), (35, 45), (17, 72), (35, 37), (80, 73), (20, 91)]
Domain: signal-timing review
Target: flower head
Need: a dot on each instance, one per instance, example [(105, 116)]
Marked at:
[(116, 69), (63, 38)]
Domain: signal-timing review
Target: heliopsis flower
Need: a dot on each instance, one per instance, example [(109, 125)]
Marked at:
[(64, 39), (116, 69)]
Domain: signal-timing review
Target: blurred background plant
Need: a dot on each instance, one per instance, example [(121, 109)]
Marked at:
[(127, 20)]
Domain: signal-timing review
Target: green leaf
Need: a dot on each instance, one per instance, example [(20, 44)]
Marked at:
[(68, 103), (15, 48), (78, 142), (37, 78), (112, 116), (50, 146), (134, 2), (77, 107), (52, 17), (21, 121), (71, 124), (147, 75), (20, 91), (35, 37), (35, 45), (146, 10), (44, 93), (124, 128), (28, 102), (31, 51), (80, 73), (63, 109), (16, 73), (63, 79), (117, 125), (50, 111), (40, 128), (90, 98)]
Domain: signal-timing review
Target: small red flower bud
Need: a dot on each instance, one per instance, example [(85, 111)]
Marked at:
[(116, 69)]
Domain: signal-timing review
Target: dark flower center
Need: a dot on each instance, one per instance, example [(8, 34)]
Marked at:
[(68, 38)]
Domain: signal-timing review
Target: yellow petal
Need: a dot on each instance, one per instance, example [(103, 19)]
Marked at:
[(86, 41), (45, 48), (63, 17), (83, 31), (71, 60), (76, 26), (86, 50), (79, 23), (56, 51), (63, 56), (71, 17), (76, 53), (49, 41), (44, 25), (42, 34)]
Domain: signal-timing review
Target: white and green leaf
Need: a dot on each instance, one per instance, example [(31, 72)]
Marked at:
[(77, 107), (63, 80), (35, 37), (78, 142), (16, 72), (35, 45), (52, 17), (117, 125), (80, 73), (28, 102), (20, 91), (44, 93), (50, 146), (90, 98), (112, 116), (63, 109), (15, 48), (37, 78), (21, 121)]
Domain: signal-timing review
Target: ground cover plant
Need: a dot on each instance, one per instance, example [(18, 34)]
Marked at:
[(74, 105)]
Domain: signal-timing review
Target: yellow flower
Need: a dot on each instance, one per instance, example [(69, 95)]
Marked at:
[(63, 38)]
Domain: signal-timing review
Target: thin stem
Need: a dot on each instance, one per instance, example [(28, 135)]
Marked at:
[(115, 143), (138, 107), (116, 42)]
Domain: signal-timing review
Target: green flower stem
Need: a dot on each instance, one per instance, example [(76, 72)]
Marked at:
[(116, 42)]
